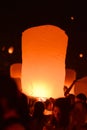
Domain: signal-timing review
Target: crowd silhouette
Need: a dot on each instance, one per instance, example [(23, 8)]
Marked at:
[(19, 112)]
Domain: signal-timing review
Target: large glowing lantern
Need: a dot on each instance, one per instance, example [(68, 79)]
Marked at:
[(70, 76), (15, 72), (81, 86), (43, 61)]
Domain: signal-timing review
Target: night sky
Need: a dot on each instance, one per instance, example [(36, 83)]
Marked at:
[(70, 16)]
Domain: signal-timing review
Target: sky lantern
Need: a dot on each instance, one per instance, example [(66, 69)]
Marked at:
[(43, 61), (81, 86), (10, 50), (70, 76), (15, 72)]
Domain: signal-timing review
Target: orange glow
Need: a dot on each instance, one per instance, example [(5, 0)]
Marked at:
[(81, 55), (43, 61), (15, 72), (81, 86), (69, 78), (72, 18), (3, 48), (10, 50)]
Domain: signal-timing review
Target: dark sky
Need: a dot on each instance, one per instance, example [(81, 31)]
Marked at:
[(71, 16)]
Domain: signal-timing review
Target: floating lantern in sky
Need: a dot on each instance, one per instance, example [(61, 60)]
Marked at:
[(70, 76), (81, 86), (72, 18), (15, 72), (80, 55), (11, 50), (3, 48), (43, 61)]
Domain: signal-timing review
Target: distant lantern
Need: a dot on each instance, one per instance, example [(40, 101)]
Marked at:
[(3, 48), (15, 72), (80, 55), (70, 77), (72, 18), (81, 86), (43, 61), (10, 50)]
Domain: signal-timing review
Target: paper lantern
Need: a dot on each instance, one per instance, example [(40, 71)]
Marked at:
[(15, 72), (81, 86), (11, 50), (43, 61), (70, 76)]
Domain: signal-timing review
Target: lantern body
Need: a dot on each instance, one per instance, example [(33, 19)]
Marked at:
[(15, 72), (81, 86), (70, 76), (43, 61)]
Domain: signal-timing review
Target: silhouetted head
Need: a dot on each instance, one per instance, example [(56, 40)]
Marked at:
[(71, 98), (81, 97), (38, 109), (48, 104), (63, 106)]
